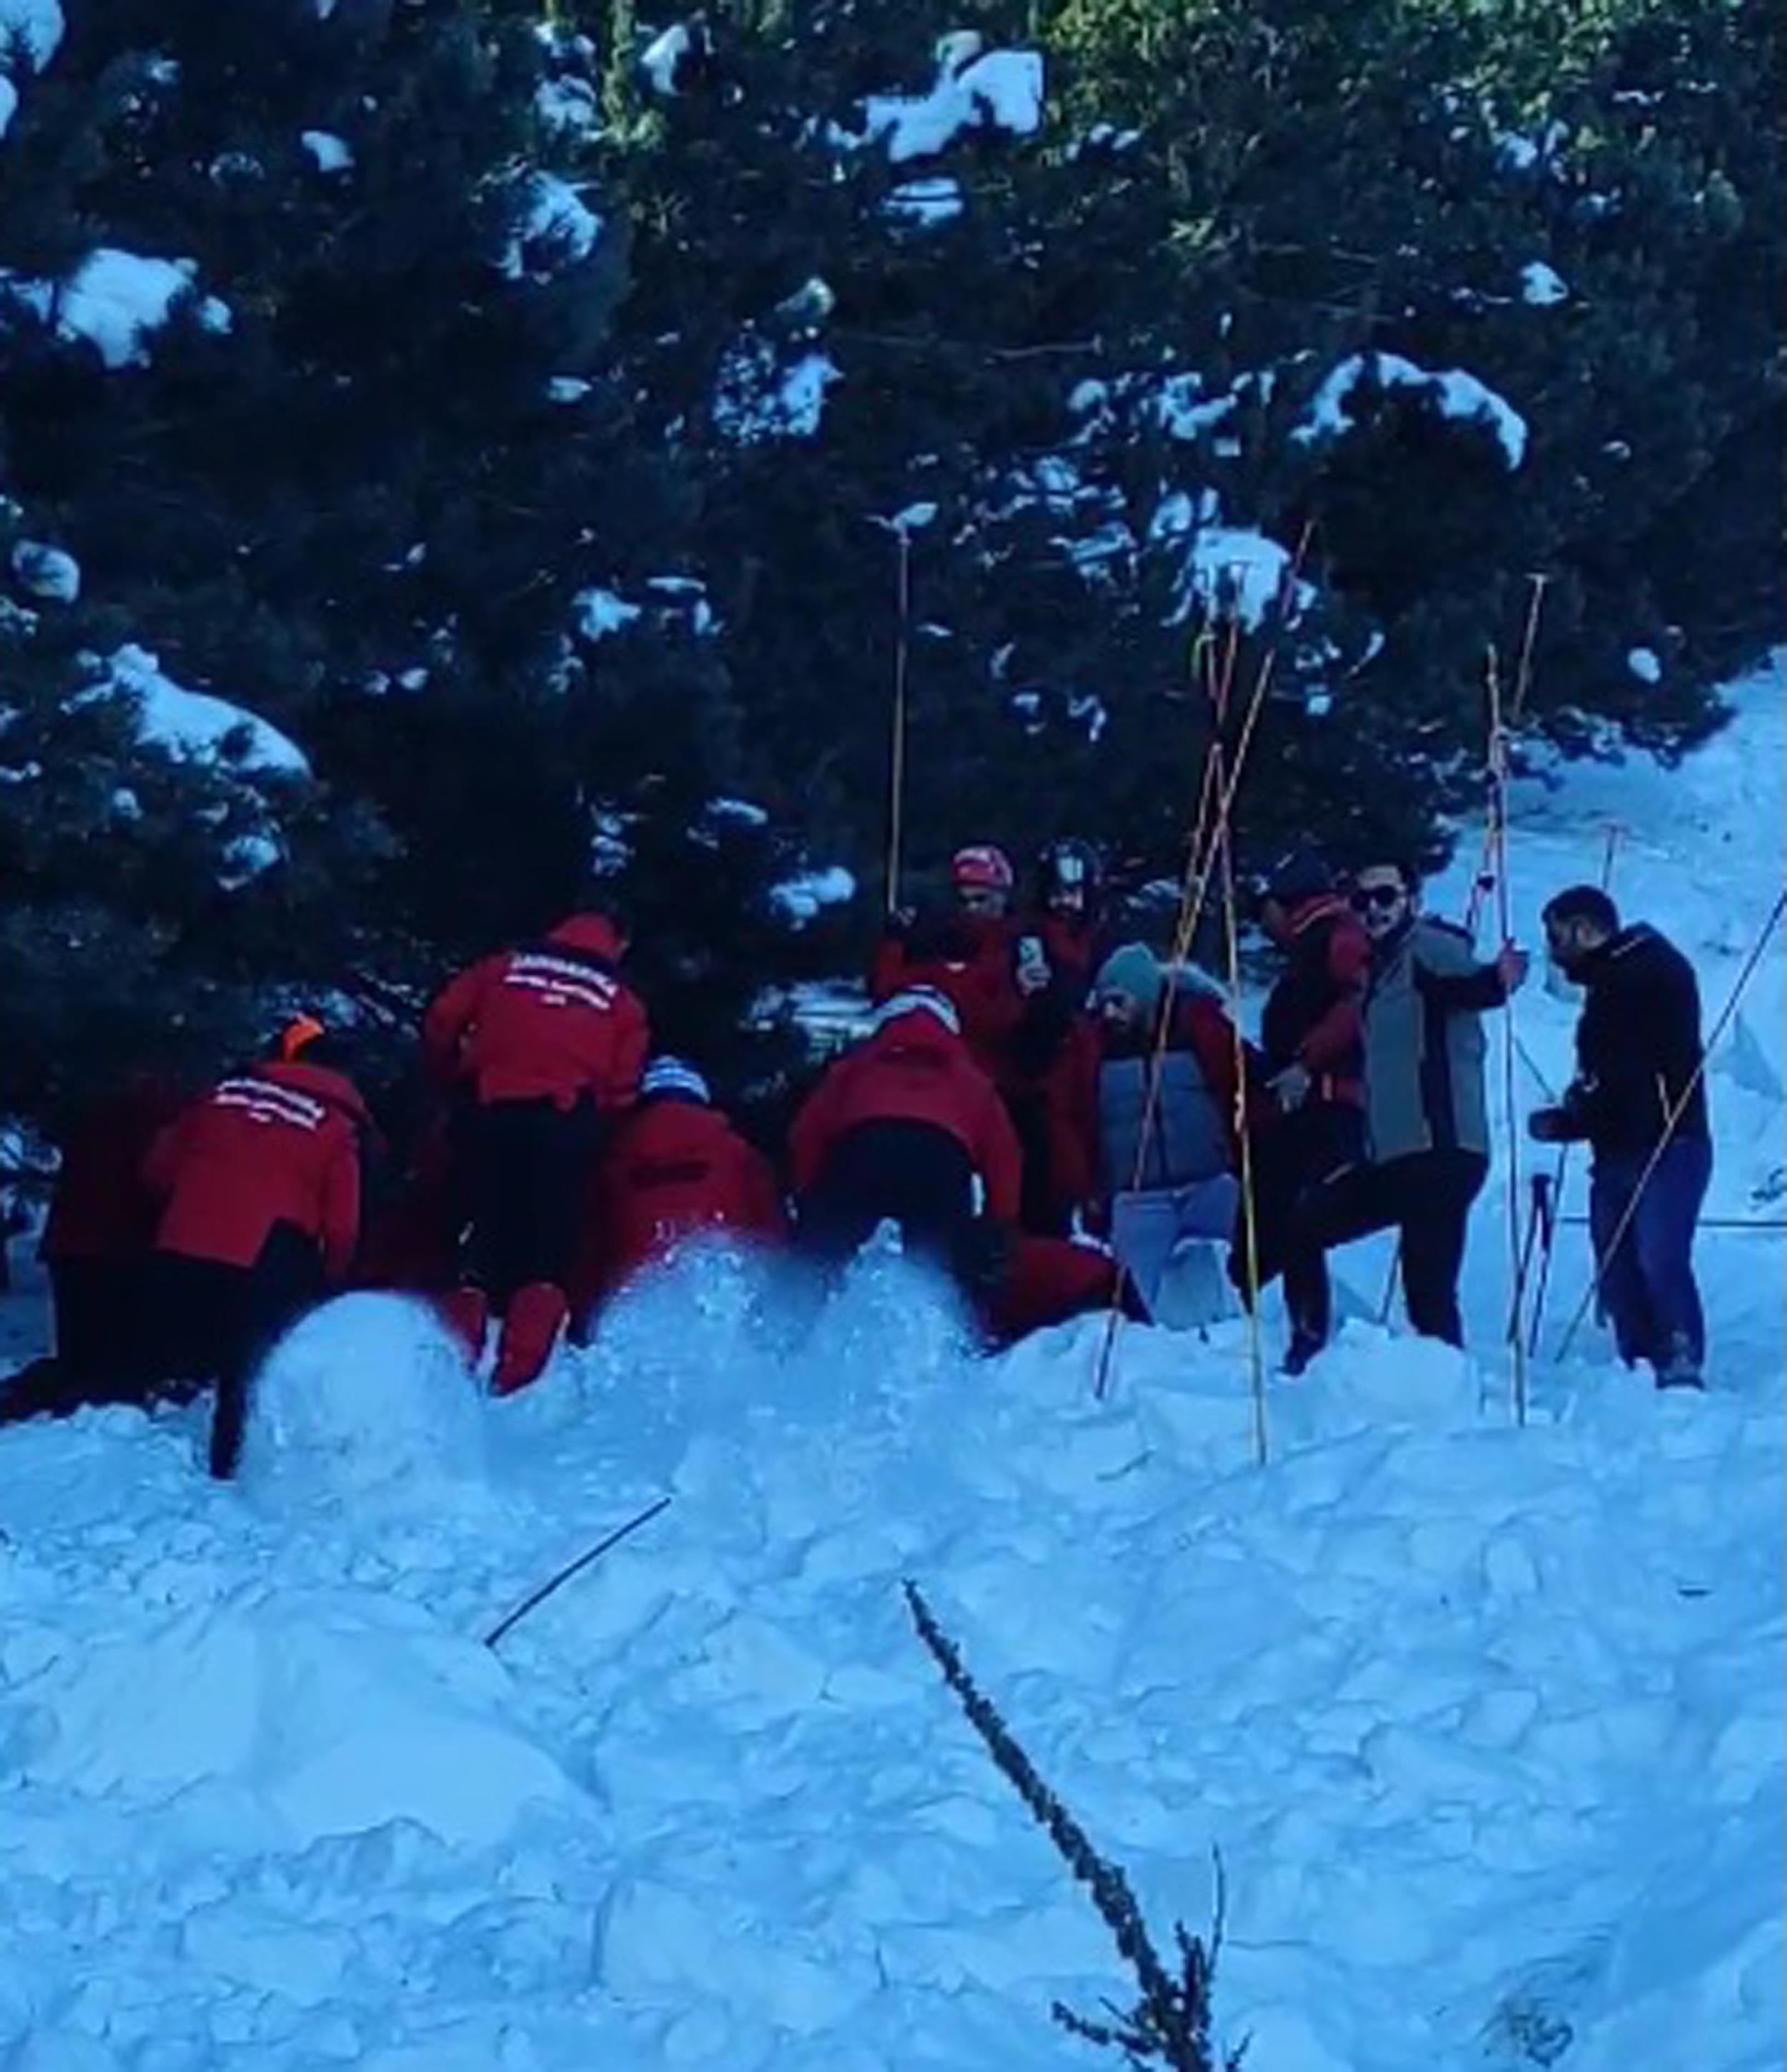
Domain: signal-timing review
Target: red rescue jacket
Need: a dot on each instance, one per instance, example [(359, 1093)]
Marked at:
[(550, 1021), (674, 1166), (280, 1144), (915, 1070), (972, 959), (103, 1206), (1046, 1280), (1315, 1015)]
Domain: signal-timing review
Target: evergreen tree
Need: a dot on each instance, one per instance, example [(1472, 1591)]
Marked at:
[(377, 470)]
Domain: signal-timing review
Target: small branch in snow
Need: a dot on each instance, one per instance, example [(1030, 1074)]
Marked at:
[(1170, 2024)]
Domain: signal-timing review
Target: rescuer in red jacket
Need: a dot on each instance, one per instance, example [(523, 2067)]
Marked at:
[(1311, 1035), (905, 1127), (1060, 942), (260, 1182), (547, 1041), (97, 1237), (969, 954), (674, 1166)]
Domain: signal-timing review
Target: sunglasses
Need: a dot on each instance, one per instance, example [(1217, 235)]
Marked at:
[(1381, 898)]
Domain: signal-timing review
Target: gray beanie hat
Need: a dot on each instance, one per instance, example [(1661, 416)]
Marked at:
[(1134, 969)]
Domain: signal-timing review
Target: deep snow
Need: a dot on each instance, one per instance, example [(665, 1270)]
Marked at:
[(1486, 1722)]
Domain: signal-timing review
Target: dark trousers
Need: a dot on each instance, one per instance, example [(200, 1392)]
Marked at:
[(99, 1310), (1291, 1156), (1647, 1280), (1040, 1213), (1426, 1197), (528, 1165), (211, 1323), (910, 1174)]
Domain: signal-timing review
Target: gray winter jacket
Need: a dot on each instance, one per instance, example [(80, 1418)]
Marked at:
[(1189, 1138), (1424, 1043)]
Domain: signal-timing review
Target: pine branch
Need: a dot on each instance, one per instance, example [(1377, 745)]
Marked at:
[(1170, 2024)]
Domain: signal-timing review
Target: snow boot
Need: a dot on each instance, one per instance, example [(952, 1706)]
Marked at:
[(466, 1313), (1679, 1368), (531, 1326), (1303, 1348)]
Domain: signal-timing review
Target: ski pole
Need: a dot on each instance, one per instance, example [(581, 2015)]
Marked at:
[(576, 1568), (902, 658), (1672, 1118), (1769, 1225), (1547, 1197), (1250, 1222), (1498, 810)]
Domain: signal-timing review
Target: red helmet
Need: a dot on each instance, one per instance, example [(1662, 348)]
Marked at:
[(982, 867)]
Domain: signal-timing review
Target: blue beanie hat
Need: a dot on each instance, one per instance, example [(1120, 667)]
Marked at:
[(1133, 969)]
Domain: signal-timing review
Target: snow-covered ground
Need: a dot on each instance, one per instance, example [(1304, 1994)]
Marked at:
[(1485, 1721)]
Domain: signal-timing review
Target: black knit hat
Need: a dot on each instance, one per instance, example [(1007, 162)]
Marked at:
[(1302, 872)]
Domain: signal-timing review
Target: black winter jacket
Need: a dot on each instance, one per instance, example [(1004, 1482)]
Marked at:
[(1637, 1045)]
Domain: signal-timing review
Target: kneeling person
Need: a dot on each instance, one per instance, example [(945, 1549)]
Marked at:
[(546, 1043), (906, 1128), (674, 1166), (261, 1184), (1166, 1145)]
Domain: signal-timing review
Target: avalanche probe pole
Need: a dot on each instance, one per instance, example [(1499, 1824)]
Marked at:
[(1250, 1220), (1498, 812), (576, 1568), (902, 662)]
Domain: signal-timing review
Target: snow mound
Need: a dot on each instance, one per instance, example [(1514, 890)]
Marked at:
[(1456, 395), (369, 1393), (334, 1711), (192, 723)]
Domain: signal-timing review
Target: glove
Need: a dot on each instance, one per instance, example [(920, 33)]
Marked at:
[(1290, 1088), (1548, 1125)]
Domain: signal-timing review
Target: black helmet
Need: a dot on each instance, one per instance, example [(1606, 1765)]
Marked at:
[(1069, 861)]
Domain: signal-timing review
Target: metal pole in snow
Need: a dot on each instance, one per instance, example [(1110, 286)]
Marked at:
[(576, 1568)]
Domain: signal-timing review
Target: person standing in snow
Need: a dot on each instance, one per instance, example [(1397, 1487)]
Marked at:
[(1060, 944), (1639, 1102), (1163, 1148), (674, 1166), (1312, 1041), (904, 1128), (970, 954), (1427, 1111), (260, 1182), (98, 1235), (546, 1041)]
